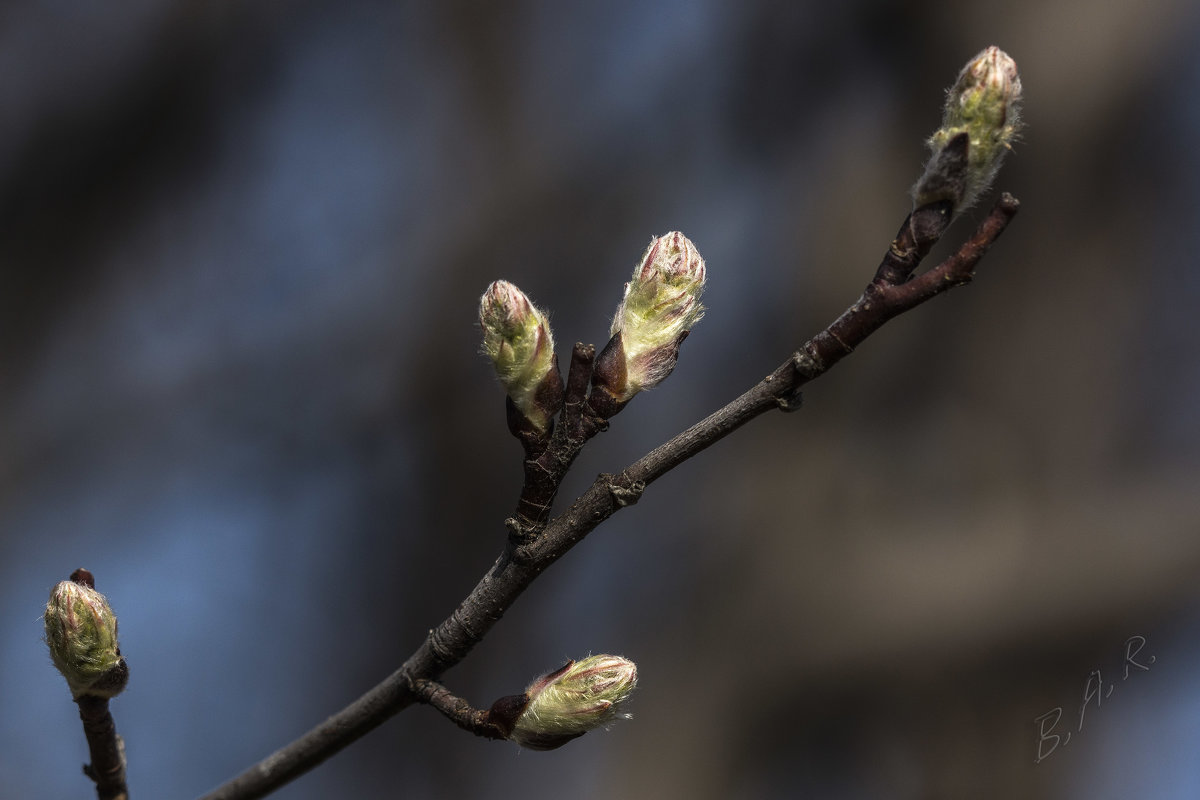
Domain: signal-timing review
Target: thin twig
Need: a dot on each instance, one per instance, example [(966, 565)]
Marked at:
[(105, 747), (892, 292), (456, 709), (546, 468)]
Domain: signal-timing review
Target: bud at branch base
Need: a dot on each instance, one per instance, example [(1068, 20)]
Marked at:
[(660, 306), (517, 338)]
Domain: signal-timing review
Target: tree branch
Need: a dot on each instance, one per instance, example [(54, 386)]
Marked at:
[(105, 747), (893, 291)]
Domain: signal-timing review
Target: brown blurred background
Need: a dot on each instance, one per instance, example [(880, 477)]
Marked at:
[(242, 246)]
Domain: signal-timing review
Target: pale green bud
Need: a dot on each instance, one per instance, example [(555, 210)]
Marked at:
[(660, 306), (569, 702), (517, 338), (982, 114), (81, 631)]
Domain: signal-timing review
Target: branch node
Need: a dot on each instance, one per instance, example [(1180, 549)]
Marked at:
[(847, 348), (591, 421), (443, 651), (519, 534), (807, 364), (790, 402), (626, 495)]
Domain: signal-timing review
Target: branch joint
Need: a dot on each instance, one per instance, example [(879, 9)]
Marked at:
[(807, 364), (625, 495)]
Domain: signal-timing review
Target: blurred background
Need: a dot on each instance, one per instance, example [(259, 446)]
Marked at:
[(242, 248)]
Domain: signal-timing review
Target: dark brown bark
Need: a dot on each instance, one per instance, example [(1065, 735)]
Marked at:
[(105, 747), (460, 712)]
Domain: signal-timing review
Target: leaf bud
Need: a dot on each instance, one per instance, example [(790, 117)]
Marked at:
[(567, 703), (81, 631), (981, 117), (517, 338), (660, 306)]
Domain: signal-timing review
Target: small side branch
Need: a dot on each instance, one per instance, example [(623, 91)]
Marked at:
[(894, 290), (455, 709), (545, 469)]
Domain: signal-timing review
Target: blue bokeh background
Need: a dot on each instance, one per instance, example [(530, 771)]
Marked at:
[(242, 246)]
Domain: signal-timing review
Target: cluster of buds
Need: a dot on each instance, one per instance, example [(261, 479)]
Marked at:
[(564, 705), (979, 124), (661, 304), (81, 631), (517, 338)]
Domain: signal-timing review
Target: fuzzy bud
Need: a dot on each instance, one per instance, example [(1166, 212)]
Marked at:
[(569, 702), (517, 338), (979, 124), (661, 304), (81, 631)]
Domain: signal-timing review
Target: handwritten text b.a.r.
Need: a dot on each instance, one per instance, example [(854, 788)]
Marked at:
[(1094, 689)]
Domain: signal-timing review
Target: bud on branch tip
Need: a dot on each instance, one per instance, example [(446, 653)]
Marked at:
[(569, 702), (982, 116), (517, 338), (660, 306), (81, 631)]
